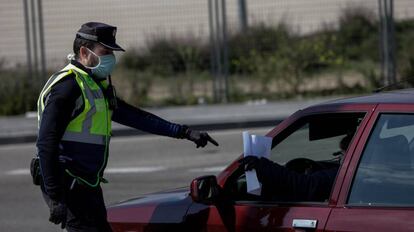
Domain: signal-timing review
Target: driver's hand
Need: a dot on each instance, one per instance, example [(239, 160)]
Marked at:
[(249, 162)]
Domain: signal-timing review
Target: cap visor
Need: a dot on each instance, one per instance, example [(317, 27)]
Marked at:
[(114, 47)]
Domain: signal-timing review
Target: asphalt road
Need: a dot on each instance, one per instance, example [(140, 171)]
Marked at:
[(137, 165)]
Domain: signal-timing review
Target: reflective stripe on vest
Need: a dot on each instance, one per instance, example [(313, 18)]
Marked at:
[(46, 90), (85, 135)]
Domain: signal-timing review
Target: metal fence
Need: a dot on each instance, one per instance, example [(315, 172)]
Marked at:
[(38, 34)]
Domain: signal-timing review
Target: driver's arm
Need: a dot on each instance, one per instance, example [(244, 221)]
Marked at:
[(280, 183), (293, 186)]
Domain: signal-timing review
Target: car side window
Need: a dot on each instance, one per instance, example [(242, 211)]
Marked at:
[(310, 148), (385, 174), (299, 145), (317, 138)]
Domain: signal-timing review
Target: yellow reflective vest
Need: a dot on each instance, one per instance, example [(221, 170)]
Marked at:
[(85, 141)]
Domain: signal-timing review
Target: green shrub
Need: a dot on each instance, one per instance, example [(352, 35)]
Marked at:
[(168, 56), (405, 51), (358, 33), (133, 86), (258, 39), (18, 94)]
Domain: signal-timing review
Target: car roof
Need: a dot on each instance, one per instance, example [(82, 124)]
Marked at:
[(403, 96)]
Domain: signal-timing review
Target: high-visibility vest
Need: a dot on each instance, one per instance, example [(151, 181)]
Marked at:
[(84, 144)]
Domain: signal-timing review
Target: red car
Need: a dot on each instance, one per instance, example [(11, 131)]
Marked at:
[(373, 189)]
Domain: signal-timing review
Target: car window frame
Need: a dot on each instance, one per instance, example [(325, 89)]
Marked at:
[(359, 147), (375, 122), (300, 122), (366, 109)]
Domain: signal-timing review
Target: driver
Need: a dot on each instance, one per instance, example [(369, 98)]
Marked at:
[(282, 184)]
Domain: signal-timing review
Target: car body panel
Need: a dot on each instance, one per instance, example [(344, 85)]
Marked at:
[(370, 219), (404, 96), (153, 212), (255, 217)]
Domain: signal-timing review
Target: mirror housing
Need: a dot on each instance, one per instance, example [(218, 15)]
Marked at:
[(204, 189)]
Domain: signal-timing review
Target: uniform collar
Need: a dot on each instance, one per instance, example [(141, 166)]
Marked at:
[(81, 67)]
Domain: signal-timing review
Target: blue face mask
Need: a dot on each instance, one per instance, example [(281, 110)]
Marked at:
[(104, 67)]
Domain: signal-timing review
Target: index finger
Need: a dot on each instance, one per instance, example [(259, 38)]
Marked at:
[(211, 140)]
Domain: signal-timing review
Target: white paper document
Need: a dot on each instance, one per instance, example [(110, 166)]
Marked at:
[(255, 145)]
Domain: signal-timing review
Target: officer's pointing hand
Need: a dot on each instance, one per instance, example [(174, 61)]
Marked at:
[(200, 138)]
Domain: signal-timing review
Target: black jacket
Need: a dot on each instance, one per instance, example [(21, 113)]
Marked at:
[(282, 184)]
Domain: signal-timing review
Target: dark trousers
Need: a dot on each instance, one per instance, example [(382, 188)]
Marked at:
[(86, 208)]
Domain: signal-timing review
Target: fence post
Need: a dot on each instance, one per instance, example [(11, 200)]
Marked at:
[(34, 37), (213, 68), (387, 41), (41, 38), (243, 15), (391, 41), (27, 33), (219, 49), (225, 54)]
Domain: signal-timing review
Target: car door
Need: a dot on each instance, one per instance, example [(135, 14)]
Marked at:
[(315, 136), (378, 191)]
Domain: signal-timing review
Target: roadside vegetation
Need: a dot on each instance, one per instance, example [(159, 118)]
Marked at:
[(267, 62)]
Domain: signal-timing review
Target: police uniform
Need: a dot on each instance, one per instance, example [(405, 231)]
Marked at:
[(74, 116)]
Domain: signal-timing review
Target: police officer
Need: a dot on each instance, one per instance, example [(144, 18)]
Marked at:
[(75, 110)]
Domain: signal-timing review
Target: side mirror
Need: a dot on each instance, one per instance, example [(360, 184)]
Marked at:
[(204, 189)]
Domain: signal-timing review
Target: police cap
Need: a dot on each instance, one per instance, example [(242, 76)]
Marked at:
[(101, 33)]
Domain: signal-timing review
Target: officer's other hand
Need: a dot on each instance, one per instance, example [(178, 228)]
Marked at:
[(200, 138), (58, 213), (249, 162)]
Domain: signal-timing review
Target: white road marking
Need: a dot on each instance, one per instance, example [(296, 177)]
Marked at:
[(31, 114), (7, 147), (124, 170), (18, 172), (208, 169), (127, 170)]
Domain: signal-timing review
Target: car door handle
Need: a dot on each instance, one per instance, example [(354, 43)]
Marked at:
[(304, 223)]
